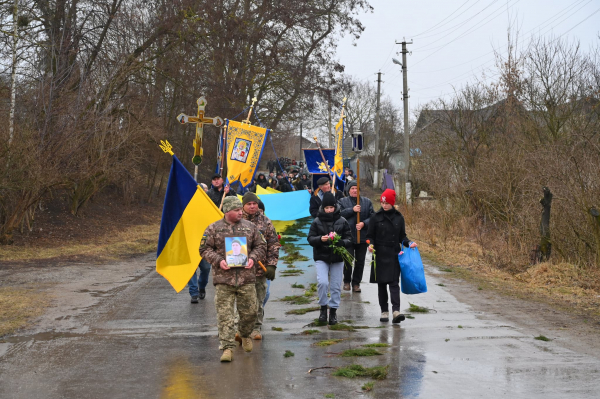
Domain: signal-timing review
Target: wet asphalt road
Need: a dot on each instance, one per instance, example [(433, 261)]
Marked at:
[(146, 341)]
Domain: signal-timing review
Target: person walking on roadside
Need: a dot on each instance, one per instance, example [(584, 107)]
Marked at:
[(234, 286), (329, 265), (217, 191), (253, 214), (349, 210), (316, 199), (386, 233), (197, 284)]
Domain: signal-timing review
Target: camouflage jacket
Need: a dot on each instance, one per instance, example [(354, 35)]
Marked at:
[(268, 231), (212, 248)]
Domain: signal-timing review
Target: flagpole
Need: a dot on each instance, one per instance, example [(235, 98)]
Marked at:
[(223, 164), (324, 160)]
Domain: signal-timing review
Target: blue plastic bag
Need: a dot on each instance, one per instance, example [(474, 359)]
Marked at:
[(412, 274)]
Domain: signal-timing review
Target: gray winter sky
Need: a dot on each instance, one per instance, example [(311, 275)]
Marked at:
[(454, 39)]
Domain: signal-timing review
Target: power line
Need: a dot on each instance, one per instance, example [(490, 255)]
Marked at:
[(434, 26)]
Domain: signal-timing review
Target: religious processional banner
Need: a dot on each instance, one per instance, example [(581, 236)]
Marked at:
[(187, 212), (314, 160), (245, 144)]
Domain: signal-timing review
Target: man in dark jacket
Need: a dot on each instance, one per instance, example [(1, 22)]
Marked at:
[(349, 210), (284, 184), (328, 264), (217, 191), (315, 200), (304, 183), (386, 234)]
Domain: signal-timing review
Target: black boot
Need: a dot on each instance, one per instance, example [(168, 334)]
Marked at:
[(332, 317), (323, 315)]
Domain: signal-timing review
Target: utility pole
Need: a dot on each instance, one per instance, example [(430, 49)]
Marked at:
[(407, 186), (377, 125)]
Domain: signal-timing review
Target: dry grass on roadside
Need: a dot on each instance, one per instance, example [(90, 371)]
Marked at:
[(118, 244), (18, 306)]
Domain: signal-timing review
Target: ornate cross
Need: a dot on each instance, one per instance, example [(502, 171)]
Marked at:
[(200, 120)]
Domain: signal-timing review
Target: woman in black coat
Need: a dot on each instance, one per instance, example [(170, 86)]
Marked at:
[(386, 233), (329, 265)]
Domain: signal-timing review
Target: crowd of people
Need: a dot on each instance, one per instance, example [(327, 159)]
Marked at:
[(242, 284)]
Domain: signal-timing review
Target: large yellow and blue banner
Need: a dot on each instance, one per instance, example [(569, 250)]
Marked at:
[(187, 212), (245, 144)]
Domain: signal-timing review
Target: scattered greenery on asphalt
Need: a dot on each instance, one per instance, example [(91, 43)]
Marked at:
[(347, 321), (292, 272), (296, 285), (409, 316), (288, 354), (479, 288), (367, 386), (445, 269), (441, 285), (360, 352), (291, 266), (312, 289), (367, 302), (303, 310), (378, 345), (447, 339), (276, 328), (292, 257), (317, 323), (459, 326), (542, 338), (356, 370), (310, 332), (330, 395), (417, 309), (328, 342), (297, 299), (290, 247), (271, 318)]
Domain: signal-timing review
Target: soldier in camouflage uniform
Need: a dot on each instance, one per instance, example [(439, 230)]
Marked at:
[(233, 284), (253, 214), (237, 258)]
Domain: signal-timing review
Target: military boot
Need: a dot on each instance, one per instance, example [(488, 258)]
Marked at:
[(227, 355), (332, 317), (323, 315), (247, 344)]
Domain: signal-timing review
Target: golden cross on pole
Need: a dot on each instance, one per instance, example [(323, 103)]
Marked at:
[(247, 120), (199, 120)]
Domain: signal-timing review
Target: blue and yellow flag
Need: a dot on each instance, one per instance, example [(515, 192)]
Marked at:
[(187, 212), (245, 144), (338, 167)]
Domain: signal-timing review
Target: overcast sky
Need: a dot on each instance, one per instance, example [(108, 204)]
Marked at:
[(454, 39)]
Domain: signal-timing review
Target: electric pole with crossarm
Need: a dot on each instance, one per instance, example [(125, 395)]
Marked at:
[(407, 188)]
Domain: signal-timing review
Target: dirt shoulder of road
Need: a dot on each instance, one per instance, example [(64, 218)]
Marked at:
[(59, 245)]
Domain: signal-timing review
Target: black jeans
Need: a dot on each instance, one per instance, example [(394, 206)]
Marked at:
[(358, 251), (394, 294)]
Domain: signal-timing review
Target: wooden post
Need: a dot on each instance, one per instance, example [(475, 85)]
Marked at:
[(545, 243), (358, 197)]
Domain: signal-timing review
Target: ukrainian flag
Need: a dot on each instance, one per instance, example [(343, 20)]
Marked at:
[(187, 212)]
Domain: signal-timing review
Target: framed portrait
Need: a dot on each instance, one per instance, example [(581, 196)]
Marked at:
[(241, 149), (236, 251)]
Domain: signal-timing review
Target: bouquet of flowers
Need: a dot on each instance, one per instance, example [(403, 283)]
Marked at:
[(334, 238)]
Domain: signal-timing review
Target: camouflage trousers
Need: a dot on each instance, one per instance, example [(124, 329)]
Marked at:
[(226, 297), (261, 293)]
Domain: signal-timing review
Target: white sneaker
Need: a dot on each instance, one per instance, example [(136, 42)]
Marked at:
[(397, 317), (385, 316)]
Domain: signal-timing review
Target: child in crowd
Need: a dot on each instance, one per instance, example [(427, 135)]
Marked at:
[(386, 233), (330, 266)]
